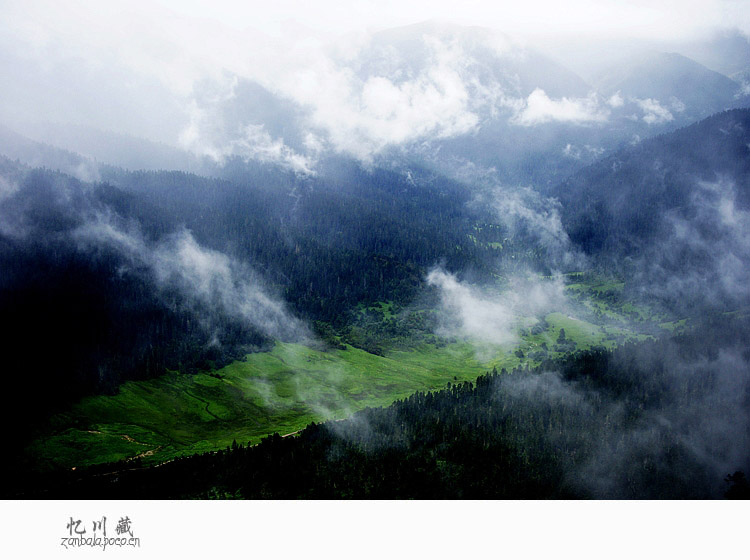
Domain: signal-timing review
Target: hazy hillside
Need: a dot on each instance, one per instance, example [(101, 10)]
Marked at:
[(726, 51), (669, 87), (672, 211)]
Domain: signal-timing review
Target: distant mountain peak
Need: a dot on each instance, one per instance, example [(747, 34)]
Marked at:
[(674, 82)]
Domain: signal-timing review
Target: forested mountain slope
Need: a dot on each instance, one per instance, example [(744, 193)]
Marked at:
[(144, 271), (620, 202), (675, 207)]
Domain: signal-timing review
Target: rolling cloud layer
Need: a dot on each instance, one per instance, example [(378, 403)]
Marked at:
[(220, 93)]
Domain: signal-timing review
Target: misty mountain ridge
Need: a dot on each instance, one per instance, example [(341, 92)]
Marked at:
[(489, 59), (442, 95), (37, 154), (669, 86), (727, 51)]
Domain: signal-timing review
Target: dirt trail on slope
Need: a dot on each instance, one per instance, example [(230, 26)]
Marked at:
[(145, 453)]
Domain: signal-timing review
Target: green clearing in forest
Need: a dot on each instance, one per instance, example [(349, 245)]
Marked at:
[(278, 391), (284, 390)]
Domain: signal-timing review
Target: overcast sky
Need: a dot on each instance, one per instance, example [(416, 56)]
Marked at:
[(655, 19), (133, 66)]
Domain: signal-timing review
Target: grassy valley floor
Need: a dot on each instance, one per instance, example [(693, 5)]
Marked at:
[(287, 388)]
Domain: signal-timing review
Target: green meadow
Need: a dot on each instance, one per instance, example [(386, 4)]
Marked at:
[(279, 391), (287, 388)]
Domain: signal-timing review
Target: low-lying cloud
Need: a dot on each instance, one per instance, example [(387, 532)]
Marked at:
[(681, 437), (540, 109), (39, 208), (653, 111), (80, 63), (705, 254), (362, 115), (220, 131), (527, 214), (490, 318), (203, 276)]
